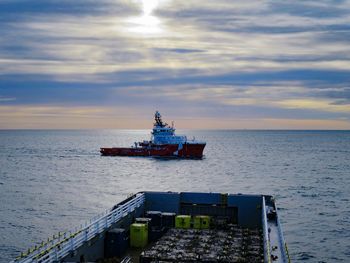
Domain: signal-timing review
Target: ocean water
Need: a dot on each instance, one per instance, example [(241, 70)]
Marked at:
[(53, 181)]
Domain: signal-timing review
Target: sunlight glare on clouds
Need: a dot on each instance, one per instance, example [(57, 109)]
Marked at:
[(148, 6), (146, 23)]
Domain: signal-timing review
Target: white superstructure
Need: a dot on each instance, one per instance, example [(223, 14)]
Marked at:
[(162, 133)]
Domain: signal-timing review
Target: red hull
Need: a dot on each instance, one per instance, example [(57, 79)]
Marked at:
[(189, 150)]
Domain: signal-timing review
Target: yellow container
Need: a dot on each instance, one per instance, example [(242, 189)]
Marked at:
[(205, 223), (183, 221), (201, 222), (197, 222), (138, 235)]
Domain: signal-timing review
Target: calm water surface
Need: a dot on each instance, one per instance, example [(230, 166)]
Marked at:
[(53, 181)]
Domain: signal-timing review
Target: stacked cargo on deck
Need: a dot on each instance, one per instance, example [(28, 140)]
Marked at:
[(116, 243), (166, 237), (150, 228), (207, 245)]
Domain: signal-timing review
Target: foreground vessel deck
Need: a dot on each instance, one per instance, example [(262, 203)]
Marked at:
[(237, 228)]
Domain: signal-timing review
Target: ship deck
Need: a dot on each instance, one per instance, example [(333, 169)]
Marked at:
[(243, 228)]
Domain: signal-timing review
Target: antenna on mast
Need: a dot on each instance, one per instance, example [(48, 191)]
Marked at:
[(158, 119)]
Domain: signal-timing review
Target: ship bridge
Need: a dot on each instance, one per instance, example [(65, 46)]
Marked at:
[(164, 134), (168, 139)]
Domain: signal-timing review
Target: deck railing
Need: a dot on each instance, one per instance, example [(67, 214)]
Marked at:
[(283, 244), (61, 245), (267, 253)]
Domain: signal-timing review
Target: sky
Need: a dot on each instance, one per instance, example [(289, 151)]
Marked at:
[(204, 64)]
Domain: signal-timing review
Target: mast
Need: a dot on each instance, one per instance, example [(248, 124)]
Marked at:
[(158, 120)]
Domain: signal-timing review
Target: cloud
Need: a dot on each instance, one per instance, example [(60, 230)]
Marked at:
[(75, 117), (83, 45), (20, 7), (56, 117), (255, 95), (6, 99), (260, 58), (323, 105), (312, 9)]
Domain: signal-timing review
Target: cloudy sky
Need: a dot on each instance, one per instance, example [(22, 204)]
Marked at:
[(205, 64)]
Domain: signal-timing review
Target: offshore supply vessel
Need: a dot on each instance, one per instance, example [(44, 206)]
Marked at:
[(162, 227), (163, 143)]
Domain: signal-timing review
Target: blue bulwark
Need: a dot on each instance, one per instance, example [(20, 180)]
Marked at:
[(163, 201), (249, 209), (201, 198), (248, 206)]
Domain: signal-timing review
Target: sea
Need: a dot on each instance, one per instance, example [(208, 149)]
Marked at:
[(55, 180)]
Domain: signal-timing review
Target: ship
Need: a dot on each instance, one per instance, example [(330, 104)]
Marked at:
[(173, 227), (163, 143)]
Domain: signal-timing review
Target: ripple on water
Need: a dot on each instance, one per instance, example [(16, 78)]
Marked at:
[(55, 180)]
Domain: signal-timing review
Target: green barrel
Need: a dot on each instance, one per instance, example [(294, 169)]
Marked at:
[(205, 222), (201, 222), (138, 235), (183, 221)]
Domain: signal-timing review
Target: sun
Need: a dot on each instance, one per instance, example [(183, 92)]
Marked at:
[(148, 6), (146, 24)]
